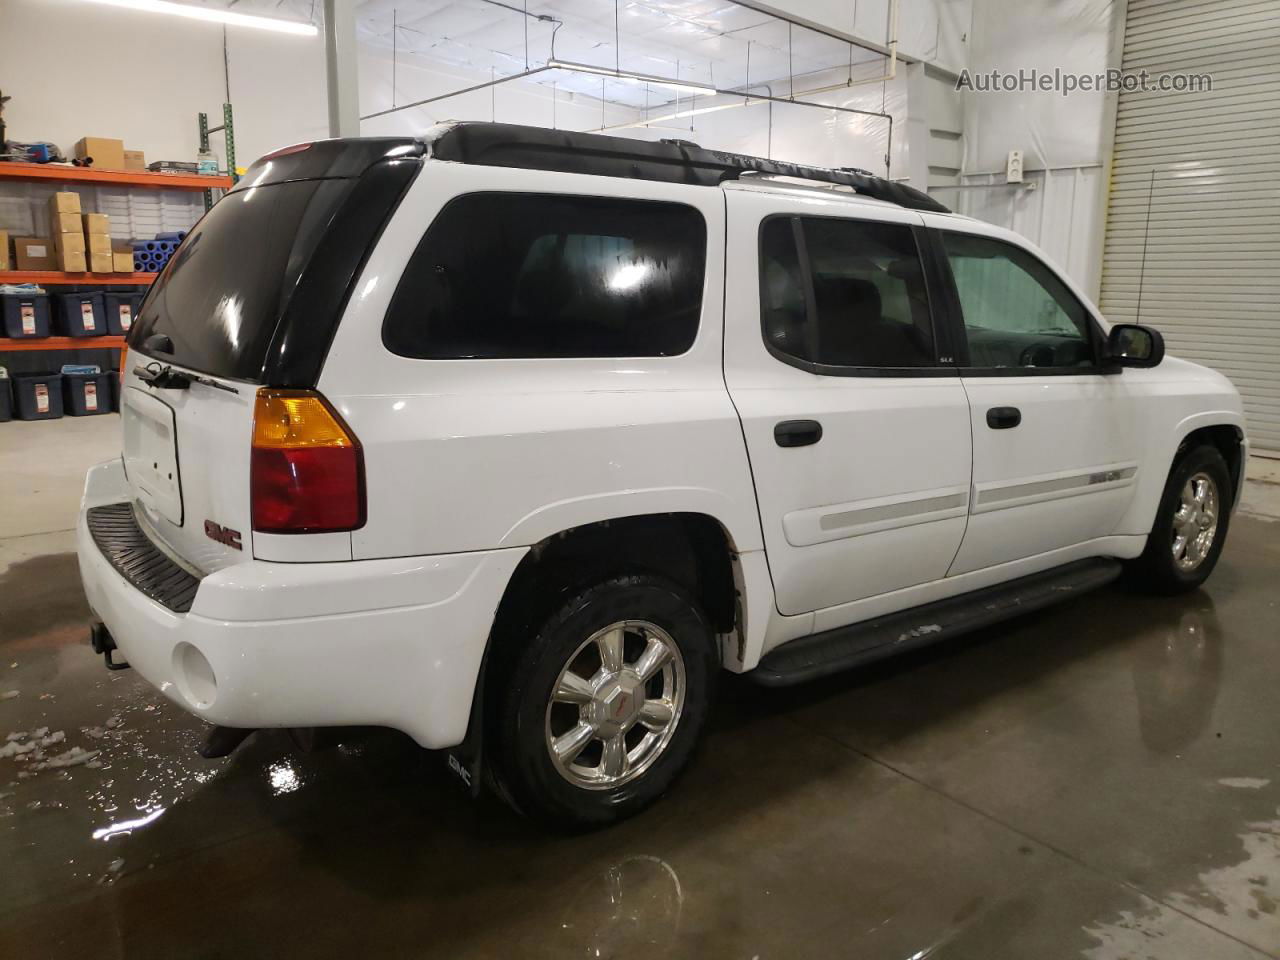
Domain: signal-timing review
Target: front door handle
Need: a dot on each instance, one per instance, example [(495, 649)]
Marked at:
[(1002, 418), (797, 433)]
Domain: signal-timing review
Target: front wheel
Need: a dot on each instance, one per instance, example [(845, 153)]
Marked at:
[(1190, 526), (602, 708)]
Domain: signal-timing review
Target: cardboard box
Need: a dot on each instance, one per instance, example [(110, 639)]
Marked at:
[(96, 223), (107, 154), (34, 253), (73, 261), (100, 262), (98, 244), (134, 160), (122, 261), (64, 201), (65, 223), (69, 242), (5, 259)]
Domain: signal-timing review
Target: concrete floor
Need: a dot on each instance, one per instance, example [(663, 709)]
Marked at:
[(1098, 780)]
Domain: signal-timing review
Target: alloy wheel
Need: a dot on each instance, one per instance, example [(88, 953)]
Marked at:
[(1195, 522), (615, 705)]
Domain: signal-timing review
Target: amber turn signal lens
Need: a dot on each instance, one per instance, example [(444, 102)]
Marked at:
[(295, 418)]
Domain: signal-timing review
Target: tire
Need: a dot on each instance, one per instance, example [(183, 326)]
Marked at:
[(658, 618), (1158, 570)]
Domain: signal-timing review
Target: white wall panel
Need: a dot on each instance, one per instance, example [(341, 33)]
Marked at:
[(1193, 221)]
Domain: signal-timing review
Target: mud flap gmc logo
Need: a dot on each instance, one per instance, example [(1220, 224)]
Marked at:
[(223, 535)]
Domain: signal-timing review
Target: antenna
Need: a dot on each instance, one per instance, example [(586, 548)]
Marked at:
[(1146, 234)]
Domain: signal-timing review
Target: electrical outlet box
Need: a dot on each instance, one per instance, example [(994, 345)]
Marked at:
[(1013, 168)]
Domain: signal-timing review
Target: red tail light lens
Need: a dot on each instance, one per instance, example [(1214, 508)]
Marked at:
[(307, 469)]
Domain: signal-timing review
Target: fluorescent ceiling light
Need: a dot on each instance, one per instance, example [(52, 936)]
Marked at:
[(676, 85), (214, 15)]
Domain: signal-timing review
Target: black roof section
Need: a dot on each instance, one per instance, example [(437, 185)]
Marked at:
[(667, 161)]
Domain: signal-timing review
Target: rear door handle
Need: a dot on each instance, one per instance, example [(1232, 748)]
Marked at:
[(1002, 418), (797, 433)]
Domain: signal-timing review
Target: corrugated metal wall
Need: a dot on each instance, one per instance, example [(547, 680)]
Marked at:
[(1195, 192)]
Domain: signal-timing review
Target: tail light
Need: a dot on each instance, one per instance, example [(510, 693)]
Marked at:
[(307, 469)]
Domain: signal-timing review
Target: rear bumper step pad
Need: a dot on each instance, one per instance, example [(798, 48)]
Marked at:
[(117, 534), (846, 647)]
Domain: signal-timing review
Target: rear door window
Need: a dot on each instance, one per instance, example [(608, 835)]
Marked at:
[(220, 298), (501, 275), (844, 293)]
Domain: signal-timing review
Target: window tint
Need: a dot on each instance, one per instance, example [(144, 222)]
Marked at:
[(519, 275), (844, 293), (1016, 312), (223, 293)]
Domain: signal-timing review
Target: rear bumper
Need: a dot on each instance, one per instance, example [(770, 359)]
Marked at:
[(394, 643)]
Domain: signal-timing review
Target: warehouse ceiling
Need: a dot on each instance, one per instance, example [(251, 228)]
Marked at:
[(714, 43)]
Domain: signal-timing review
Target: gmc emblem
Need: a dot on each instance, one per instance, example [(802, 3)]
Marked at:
[(224, 535)]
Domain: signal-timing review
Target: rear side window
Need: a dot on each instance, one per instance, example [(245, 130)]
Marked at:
[(844, 293), (220, 298), (501, 275)]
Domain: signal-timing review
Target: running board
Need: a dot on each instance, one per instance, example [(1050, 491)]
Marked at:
[(860, 643)]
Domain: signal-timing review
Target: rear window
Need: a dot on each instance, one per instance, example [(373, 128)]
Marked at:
[(501, 275), (221, 297)]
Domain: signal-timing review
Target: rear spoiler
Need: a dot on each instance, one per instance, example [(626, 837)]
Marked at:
[(328, 160)]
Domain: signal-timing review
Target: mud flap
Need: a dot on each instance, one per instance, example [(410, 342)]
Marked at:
[(466, 760)]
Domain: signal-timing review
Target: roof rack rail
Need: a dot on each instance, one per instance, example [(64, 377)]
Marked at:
[(667, 161)]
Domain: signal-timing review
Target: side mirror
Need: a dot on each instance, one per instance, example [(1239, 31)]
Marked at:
[(1133, 345)]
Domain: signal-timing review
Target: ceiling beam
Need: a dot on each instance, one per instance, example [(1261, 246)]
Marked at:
[(773, 11)]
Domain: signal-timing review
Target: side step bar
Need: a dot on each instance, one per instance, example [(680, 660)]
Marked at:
[(860, 643)]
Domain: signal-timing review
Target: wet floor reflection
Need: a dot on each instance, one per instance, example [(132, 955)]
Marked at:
[(1176, 674), (1098, 780), (631, 908)]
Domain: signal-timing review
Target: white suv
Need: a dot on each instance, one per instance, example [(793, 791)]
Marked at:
[(512, 439)]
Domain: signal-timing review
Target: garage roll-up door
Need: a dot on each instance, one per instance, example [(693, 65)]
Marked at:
[(1195, 193)]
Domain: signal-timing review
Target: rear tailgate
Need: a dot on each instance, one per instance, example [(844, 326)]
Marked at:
[(186, 455), (250, 299)]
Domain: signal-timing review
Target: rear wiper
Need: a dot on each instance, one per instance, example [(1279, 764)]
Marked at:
[(164, 377)]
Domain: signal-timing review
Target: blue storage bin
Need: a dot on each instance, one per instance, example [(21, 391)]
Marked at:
[(121, 310), (79, 315), (38, 396), (26, 315), (86, 394)]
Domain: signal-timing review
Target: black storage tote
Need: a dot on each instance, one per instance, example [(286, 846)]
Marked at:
[(38, 396), (121, 310), (6, 400), (26, 315), (86, 394), (79, 315)]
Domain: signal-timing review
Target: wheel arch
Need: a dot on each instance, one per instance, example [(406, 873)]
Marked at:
[(695, 550), (1228, 439), (1223, 429)]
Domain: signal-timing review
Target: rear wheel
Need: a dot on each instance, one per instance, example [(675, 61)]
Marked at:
[(1190, 526), (602, 708)]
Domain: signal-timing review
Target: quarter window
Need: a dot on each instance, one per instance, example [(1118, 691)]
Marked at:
[(844, 293), (501, 275), (1016, 312)]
